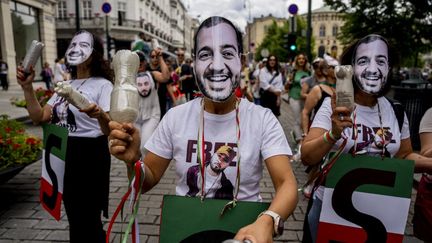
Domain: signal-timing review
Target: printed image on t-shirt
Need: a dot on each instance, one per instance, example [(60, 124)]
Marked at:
[(63, 116), (216, 182), (372, 140)]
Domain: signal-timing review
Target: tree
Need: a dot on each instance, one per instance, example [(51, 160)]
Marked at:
[(276, 42), (406, 24)]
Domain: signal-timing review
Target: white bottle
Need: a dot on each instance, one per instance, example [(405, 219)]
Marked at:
[(125, 96), (32, 55), (344, 86), (65, 90)]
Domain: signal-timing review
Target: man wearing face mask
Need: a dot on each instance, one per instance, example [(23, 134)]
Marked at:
[(375, 120), (190, 133), (87, 167)]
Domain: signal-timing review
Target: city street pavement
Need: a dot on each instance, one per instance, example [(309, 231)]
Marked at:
[(22, 219)]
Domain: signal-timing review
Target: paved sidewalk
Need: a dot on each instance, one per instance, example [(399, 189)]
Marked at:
[(22, 219)]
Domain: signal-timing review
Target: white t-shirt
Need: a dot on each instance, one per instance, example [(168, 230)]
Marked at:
[(368, 125), (261, 137), (149, 106), (97, 90), (426, 122), (265, 77)]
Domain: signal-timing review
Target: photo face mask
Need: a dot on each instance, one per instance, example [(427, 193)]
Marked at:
[(371, 65), (217, 61), (80, 48), (144, 85)]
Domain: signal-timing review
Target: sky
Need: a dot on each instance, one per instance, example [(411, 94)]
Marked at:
[(235, 10)]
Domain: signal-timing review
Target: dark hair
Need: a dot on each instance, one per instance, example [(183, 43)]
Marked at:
[(142, 56), (348, 55), (277, 67), (99, 67), (215, 20)]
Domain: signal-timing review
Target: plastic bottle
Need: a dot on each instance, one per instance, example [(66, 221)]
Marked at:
[(125, 96), (344, 86), (71, 95), (32, 55)]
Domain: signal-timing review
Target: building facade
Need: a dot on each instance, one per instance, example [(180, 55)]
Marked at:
[(164, 20), (326, 24), (256, 31), (22, 21)]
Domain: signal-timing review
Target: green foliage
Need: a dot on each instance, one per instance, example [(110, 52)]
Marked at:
[(406, 24), (275, 40), (17, 147)]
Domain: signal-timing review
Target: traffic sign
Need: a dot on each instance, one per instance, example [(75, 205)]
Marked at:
[(106, 7), (293, 9)]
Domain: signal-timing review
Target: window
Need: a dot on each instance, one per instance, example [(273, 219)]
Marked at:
[(121, 13), (335, 30), (61, 10), (87, 9), (25, 26), (322, 31)]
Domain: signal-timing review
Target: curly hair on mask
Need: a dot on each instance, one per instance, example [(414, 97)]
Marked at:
[(99, 67)]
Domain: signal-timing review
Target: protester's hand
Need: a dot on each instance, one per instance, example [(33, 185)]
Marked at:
[(341, 118), (25, 80), (93, 111), (158, 51), (261, 231), (124, 142)]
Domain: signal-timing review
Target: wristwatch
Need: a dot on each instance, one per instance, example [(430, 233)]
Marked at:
[(278, 222)]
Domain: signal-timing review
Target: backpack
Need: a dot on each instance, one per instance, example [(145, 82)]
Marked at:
[(398, 110)]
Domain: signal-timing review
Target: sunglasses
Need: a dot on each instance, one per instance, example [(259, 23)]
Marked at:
[(180, 55), (153, 56)]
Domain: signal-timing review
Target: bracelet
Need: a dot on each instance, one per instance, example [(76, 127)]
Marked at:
[(328, 139), (332, 136)]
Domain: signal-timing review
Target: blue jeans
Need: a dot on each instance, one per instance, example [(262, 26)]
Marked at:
[(313, 217)]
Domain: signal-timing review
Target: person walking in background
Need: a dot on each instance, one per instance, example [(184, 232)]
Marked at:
[(88, 161), (271, 85), (318, 76), (142, 44), (59, 71), (3, 75), (47, 75), (187, 80), (293, 87), (162, 76), (255, 82)]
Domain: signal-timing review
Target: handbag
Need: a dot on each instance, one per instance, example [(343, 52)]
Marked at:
[(261, 90), (190, 219)]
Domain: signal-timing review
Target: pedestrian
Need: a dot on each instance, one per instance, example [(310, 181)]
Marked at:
[(293, 87), (88, 161), (422, 220), (142, 44), (271, 85), (317, 77), (3, 75), (149, 113), (333, 126), (59, 72), (187, 79), (47, 75), (217, 117), (157, 63)]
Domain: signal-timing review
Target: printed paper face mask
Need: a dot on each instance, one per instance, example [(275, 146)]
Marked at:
[(371, 64), (217, 61), (144, 84), (80, 48)]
